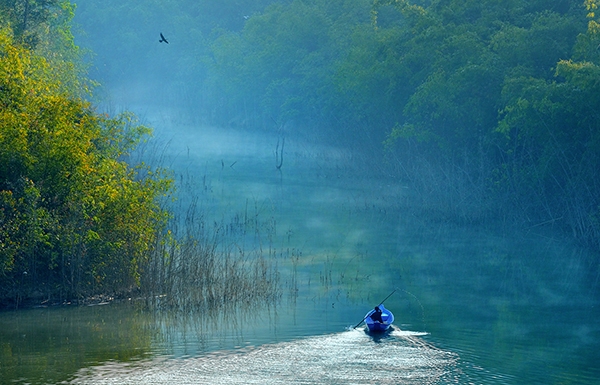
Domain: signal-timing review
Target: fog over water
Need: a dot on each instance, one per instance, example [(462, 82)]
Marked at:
[(474, 307), (474, 304)]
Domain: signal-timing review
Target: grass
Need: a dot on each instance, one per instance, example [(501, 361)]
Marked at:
[(208, 264)]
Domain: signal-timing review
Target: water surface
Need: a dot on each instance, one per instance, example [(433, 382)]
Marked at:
[(473, 305)]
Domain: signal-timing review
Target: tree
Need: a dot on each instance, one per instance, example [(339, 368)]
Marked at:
[(27, 18), (75, 218), (463, 57), (552, 140)]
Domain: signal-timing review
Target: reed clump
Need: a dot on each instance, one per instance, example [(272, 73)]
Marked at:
[(207, 264)]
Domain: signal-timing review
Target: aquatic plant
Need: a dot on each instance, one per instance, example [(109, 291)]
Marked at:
[(205, 263)]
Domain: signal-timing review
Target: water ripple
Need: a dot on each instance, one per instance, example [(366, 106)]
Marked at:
[(350, 357)]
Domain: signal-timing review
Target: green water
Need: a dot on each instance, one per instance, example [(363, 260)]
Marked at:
[(472, 306)]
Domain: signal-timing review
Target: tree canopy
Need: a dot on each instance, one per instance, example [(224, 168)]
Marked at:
[(75, 218), (485, 107)]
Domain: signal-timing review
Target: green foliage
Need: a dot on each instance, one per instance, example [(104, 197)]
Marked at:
[(28, 18), (293, 42), (75, 218), (487, 107), (552, 140)]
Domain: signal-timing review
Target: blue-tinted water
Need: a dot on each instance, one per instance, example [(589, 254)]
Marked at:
[(472, 306)]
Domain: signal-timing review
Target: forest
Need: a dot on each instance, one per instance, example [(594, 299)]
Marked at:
[(76, 219), (487, 110)]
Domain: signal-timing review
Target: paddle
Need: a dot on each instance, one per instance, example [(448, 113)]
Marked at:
[(380, 303)]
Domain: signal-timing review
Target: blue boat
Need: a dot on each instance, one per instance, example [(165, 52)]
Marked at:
[(376, 326)]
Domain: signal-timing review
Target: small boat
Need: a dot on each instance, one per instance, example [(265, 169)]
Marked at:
[(375, 326)]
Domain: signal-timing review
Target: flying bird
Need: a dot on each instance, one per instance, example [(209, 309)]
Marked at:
[(162, 39)]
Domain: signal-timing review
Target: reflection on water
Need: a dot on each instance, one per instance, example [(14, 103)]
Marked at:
[(350, 357), (499, 308)]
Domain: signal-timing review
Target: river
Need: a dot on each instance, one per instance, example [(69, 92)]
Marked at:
[(472, 305)]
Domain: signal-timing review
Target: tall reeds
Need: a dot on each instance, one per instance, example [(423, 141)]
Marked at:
[(206, 264)]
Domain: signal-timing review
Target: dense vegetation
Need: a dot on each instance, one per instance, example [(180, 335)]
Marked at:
[(488, 109), (80, 219), (75, 219)]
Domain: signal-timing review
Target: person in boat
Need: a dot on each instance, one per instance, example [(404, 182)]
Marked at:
[(376, 315)]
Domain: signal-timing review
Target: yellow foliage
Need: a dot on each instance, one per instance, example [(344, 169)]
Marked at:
[(90, 206)]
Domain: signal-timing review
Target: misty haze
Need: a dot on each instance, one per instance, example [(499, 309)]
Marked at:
[(220, 191)]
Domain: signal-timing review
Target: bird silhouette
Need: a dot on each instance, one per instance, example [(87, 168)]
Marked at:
[(162, 39)]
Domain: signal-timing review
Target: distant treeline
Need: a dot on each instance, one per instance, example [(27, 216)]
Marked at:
[(488, 109)]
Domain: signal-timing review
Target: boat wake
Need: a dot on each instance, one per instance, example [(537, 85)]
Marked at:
[(350, 357)]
